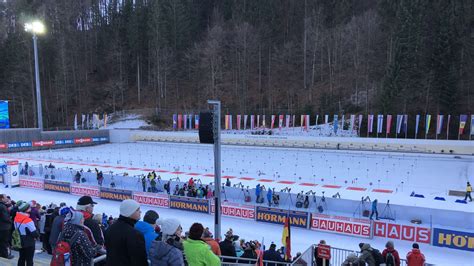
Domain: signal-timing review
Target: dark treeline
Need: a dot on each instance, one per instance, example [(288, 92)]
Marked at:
[(265, 56)]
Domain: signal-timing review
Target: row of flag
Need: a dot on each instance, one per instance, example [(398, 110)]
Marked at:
[(375, 124), (90, 121)]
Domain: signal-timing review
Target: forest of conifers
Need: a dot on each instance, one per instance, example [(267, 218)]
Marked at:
[(256, 56)]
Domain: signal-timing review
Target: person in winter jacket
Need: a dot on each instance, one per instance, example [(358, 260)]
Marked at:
[(208, 238), (126, 245), (468, 192), (374, 210), (28, 234), (351, 260), (227, 246), (169, 250), (85, 204), (5, 227), (258, 192), (269, 196), (34, 213), (82, 250), (57, 226), (197, 252), (415, 257), (391, 254), (366, 255), (249, 253), (272, 255), (147, 228)]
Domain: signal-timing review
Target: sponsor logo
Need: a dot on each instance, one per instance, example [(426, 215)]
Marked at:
[(95, 139), (82, 140), (340, 225), (402, 232), (12, 163), (152, 200), (68, 141), (43, 143), (453, 239), (31, 183), (85, 191), (115, 194), (236, 211), (58, 186), (25, 144), (277, 216), (3, 146), (59, 142), (103, 139), (189, 204), (14, 145)]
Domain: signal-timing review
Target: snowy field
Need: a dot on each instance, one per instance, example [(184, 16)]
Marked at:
[(249, 230)]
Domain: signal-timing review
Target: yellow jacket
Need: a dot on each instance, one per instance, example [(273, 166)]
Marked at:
[(469, 189)]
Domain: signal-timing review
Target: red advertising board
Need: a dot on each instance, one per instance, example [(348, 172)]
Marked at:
[(244, 212), (31, 183), (152, 199), (3, 146), (82, 140), (402, 232), (82, 190), (43, 143), (340, 225), (324, 252), (12, 163)]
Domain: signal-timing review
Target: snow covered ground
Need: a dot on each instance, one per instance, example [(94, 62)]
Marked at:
[(301, 238)]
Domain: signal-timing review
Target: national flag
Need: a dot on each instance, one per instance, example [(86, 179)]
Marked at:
[(239, 118), (294, 120), (105, 120), (361, 117), (389, 124), (258, 121), (75, 122), (462, 123), (335, 124), (263, 121), (286, 238), (83, 119), (230, 122), (190, 117), (472, 125), (306, 124), (439, 124), (399, 123), (379, 123), (180, 121), (427, 124), (351, 126), (405, 124), (252, 121), (185, 120), (280, 122), (302, 122), (245, 121), (226, 123), (447, 126), (196, 122), (273, 122), (316, 120), (342, 122), (326, 119), (287, 121), (175, 121), (370, 123), (417, 123)]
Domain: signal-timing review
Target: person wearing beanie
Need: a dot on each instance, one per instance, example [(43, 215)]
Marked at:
[(169, 250), (82, 249), (390, 255), (366, 254), (272, 254), (57, 226), (126, 245), (198, 252), (227, 246), (249, 253), (415, 257), (86, 204), (207, 237), (28, 233), (147, 228), (5, 227)]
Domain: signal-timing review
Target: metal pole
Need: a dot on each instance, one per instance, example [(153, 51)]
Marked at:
[(38, 92), (217, 166)]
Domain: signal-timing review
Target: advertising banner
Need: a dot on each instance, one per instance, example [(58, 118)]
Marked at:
[(31, 183), (189, 204), (239, 211), (43, 143), (402, 232), (4, 116), (115, 194), (453, 239), (58, 186), (277, 216), (152, 199), (340, 225), (81, 190), (82, 140)]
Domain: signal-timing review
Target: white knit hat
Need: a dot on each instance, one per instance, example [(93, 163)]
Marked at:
[(128, 207), (169, 227)]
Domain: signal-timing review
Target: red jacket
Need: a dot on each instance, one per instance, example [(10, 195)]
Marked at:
[(415, 258), (394, 253), (214, 245)]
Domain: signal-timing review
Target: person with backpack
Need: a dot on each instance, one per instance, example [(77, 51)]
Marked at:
[(57, 226), (126, 245), (415, 257), (5, 227), (24, 235), (366, 255), (390, 255), (73, 245)]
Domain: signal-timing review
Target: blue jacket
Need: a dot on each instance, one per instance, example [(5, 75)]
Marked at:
[(269, 195), (164, 254), (148, 233), (374, 206), (258, 191)]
